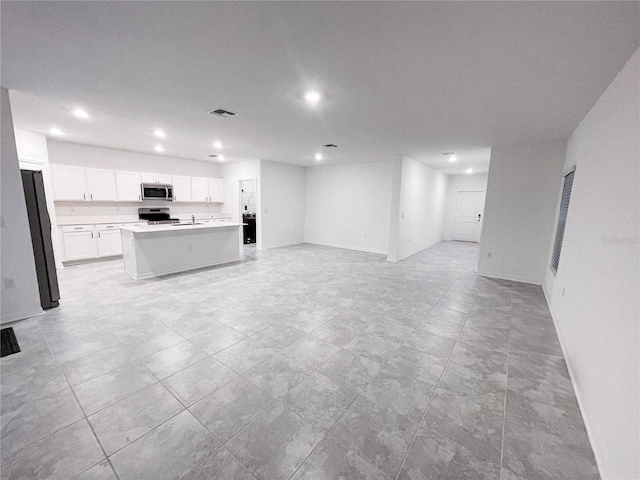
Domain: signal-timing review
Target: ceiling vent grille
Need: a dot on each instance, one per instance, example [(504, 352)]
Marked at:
[(213, 156), (221, 112), (330, 145)]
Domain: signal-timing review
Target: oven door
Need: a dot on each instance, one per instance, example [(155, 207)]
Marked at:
[(157, 191)]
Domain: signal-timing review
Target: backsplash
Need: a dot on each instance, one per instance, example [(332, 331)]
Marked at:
[(73, 213)]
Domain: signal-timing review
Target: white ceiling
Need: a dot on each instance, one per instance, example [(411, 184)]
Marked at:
[(399, 78)]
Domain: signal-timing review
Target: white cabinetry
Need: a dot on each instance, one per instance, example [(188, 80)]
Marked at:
[(216, 190), (128, 184), (199, 189), (207, 189), (68, 182), (109, 240), (156, 178), (101, 185), (181, 189), (79, 242)]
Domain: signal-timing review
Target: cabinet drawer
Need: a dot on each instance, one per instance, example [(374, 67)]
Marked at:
[(77, 228), (107, 227)]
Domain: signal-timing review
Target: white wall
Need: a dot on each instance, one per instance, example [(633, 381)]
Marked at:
[(232, 174), (22, 300), (461, 183), (282, 198), (594, 297), (349, 206), (423, 192), (519, 211)]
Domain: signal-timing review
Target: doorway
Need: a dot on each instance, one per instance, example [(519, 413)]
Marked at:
[(469, 210), (248, 210)]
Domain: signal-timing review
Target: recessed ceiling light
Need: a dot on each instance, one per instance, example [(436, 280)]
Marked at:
[(218, 145), (159, 133), (318, 156), (220, 157), (159, 149), (453, 158), (80, 113), (312, 97), (468, 170), (56, 131)]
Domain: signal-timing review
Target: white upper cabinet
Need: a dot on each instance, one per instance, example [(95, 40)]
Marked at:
[(216, 190), (181, 189), (199, 189), (101, 185), (156, 178), (68, 182), (128, 184)]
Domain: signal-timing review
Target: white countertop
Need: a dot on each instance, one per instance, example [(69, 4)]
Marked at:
[(178, 227)]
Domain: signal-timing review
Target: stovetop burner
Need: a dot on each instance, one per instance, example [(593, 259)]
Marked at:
[(156, 216)]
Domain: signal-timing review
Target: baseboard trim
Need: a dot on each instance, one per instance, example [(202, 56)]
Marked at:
[(21, 316), (510, 278), (358, 249), (569, 364), (287, 244), (407, 255)]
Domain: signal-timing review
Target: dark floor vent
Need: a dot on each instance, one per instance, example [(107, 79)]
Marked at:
[(9, 342)]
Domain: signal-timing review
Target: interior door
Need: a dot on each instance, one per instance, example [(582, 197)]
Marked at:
[(469, 211)]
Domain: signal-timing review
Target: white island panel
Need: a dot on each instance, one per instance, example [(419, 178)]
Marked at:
[(153, 250)]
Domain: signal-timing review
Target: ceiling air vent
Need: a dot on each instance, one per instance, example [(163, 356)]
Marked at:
[(222, 113), (212, 156), (330, 145)]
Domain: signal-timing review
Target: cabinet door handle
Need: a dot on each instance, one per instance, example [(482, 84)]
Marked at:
[(77, 228), (139, 198), (91, 234), (91, 195), (84, 197), (98, 234)]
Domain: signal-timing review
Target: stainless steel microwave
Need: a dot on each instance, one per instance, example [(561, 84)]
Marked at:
[(157, 191)]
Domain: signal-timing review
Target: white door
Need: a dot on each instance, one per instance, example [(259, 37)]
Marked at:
[(68, 182), (79, 245), (109, 243), (101, 184), (469, 211), (181, 189), (216, 190), (128, 184), (199, 189)]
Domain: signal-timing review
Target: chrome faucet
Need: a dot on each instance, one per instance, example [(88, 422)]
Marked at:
[(193, 220)]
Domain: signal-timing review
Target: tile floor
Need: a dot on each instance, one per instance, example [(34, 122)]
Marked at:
[(302, 362)]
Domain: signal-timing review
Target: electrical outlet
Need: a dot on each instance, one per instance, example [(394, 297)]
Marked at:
[(409, 239), (287, 232), (189, 248), (9, 283), (266, 210), (489, 254), (366, 236), (563, 292), (402, 215)]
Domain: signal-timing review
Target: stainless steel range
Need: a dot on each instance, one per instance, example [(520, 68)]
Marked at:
[(156, 216)]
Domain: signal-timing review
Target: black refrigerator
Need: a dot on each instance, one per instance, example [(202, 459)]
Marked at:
[(40, 227)]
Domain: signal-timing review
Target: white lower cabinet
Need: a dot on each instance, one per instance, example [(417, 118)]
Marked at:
[(84, 242), (80, 242)]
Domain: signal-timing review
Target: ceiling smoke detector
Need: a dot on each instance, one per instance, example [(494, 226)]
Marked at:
[(221, 112), (330, 145)]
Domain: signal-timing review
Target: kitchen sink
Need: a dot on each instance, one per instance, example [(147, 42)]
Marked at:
[(186, 224)]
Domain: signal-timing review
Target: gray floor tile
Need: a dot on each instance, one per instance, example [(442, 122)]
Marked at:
[(278, 374), (69, 350), (170, 450), (320, 400), (330, 461), (173, 359), (278, 336), (130, 418), (231, 408), (95, 364), (446, 315), (377, 433), (198, 380), (433, 456), (373, 347), (33, 420), (244, 355), (439, 327), (474, 425), (311, 351), (64, 454), (221, 465), (474, 381), (107, 389), (275, 444), (337, 332), (214, 341), (100, 471), (350, 369), (429, 343)]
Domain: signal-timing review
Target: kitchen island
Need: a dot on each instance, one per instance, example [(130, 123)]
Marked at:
[(153, 250)]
